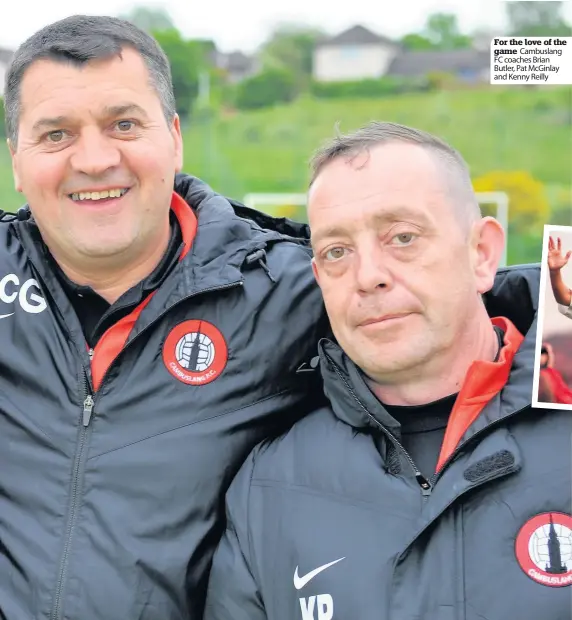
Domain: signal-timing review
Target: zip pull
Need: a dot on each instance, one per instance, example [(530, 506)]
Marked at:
[(90, 353), (425, 485), (260, 257), (87, 409)]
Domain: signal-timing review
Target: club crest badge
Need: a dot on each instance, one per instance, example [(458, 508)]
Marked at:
[(544, 549), (195, 352)]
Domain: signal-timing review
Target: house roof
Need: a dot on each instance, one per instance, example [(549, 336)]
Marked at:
[(236, 62), (5, 56), (356, 35), (420, 63)]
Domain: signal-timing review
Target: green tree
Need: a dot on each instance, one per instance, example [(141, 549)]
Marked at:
[(187, 60), (149, 19), (266, 89), (537, 19), (290, 47), (417, 42), (441, 32)]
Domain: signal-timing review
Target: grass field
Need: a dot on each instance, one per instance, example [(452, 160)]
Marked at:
[(268, 150)]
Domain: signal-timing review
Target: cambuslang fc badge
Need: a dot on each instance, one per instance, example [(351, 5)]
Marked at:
[(544, 549), (195, 352)]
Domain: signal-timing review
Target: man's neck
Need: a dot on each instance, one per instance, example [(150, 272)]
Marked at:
[(444, 376), (111, 280)]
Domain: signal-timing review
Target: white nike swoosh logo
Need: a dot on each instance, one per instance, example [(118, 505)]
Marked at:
[(300, 582), (3, 316)]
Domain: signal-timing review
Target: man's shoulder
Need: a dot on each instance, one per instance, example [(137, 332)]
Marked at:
[(7, 232), (287, 248), (289, 280), (11, 248)]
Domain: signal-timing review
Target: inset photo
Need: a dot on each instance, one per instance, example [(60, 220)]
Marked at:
[(552, 386)]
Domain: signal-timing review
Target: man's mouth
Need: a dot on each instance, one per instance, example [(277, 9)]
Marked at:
[(383, 319), (100, 195)]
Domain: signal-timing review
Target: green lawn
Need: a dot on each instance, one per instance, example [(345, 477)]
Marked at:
[(268, 150)]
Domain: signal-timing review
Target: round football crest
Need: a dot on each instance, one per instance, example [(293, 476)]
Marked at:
[(544, 549), (195, 352)]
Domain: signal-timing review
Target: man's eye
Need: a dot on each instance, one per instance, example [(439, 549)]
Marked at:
[(125, 126), (55, 136), (334, 253), (403, 238)]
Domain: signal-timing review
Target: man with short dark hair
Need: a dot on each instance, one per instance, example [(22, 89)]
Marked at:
[(428, 488), (150, 329)]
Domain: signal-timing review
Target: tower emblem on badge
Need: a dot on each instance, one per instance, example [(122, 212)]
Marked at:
[(544, 549), (195, 352)]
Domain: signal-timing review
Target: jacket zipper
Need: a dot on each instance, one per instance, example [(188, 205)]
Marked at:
[(426, 490), (80, 456), (425, 485), (75, 497), (87, 417)]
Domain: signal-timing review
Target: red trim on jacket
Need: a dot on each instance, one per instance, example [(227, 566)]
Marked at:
[(114, 339), (559, 391), (483, 381)]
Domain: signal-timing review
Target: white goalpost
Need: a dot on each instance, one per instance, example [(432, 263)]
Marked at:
[(270, 202)]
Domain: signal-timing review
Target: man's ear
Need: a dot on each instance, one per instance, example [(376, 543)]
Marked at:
[(315, 270), (487, 241), (15, 174), (178, 140)]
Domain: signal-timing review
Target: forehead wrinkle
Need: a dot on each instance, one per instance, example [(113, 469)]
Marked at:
[(392, 215)]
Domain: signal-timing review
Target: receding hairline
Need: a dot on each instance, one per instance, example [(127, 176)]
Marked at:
[(449, 164)]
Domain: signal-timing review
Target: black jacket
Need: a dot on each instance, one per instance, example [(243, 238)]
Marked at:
[(329, 522), (112, 475)]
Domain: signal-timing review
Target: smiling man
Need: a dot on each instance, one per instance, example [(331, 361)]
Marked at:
[(428, 489), (150, 337)]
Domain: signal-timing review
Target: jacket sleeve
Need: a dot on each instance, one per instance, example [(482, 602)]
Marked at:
[(233, 592)]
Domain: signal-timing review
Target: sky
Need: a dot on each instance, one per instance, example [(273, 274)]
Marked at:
[(244, 25)]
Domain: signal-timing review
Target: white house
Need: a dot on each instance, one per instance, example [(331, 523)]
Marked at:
[(359, 53), (355, 54)]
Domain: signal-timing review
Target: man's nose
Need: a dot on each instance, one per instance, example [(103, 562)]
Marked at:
[(95, 153), (372, 270)]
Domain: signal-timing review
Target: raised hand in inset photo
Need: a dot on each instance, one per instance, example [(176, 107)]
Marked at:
[(557, 260)]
